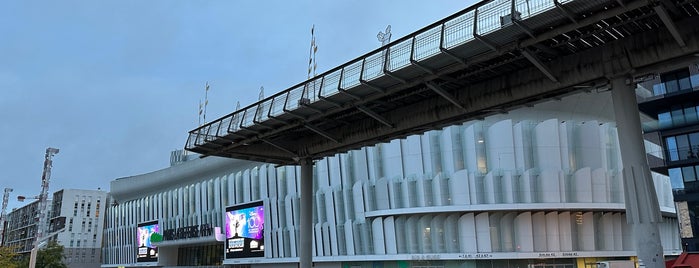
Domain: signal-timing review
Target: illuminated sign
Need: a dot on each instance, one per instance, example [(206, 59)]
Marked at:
[(245, 230), (147, 252)]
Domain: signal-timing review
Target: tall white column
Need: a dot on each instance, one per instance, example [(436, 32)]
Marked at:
[(306, 215), (642, 210)]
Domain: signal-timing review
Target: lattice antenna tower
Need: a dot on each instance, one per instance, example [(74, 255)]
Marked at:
[(5, 199), (203, 105), (43, 196), (312, 64)]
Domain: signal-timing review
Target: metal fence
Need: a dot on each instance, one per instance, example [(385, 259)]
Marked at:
[(456, 30)]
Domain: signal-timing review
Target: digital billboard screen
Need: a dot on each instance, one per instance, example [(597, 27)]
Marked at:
[(245, 230), (147, 252)]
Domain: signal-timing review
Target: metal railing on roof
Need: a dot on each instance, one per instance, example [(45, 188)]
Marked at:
[(486, 16)]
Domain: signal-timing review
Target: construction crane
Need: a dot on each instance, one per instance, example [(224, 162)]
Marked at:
[(5, 198)]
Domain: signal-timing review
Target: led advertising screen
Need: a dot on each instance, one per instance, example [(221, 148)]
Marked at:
[(245, 230), (147, 252)]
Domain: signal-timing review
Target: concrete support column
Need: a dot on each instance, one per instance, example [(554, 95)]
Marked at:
[(306, 215), (642, 209)]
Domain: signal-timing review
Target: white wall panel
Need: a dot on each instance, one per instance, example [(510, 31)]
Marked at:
[(586, 232), (451, 151), (539, 231), (330, 206), (264, 181), (566, 139), (346, 169), (606, 232), (600, 187), (374, 161), (439, 197), (412, 156), (321, 173), (547, 145), (470, 138), (451, 233), (491, 185), (359, 164), (522, 140), (582, 185), (334, 171), (401, 234), (247, 186), (523, 232), (495, 232), (317, 240), (430, 153), (424, 231), (392, 159), (349, 238), (549, 185), (420, 191), (459, 188), (377, 236), (291, 234), (526, 187), (500, 146), (329, 248), (382, 196), (389, 231), (507, 232), (358, 204), (437, 233), (369, 190), (588, 149), (618, 233), (483, 239), (411, 234), (627, 235), (508, 184), (553, 235), (475, 186)]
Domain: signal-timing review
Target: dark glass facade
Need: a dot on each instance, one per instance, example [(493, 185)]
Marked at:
[(672, 100), (201, 255)]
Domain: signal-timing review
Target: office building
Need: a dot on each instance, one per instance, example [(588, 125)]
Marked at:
[(671, 101), (76, 221)]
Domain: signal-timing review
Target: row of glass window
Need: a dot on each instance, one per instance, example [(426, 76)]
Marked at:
[(684, 177), (679, 115), (682, 147), (676, 81)]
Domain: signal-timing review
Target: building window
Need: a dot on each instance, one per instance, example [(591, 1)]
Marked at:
[(682, 147), (676, 81), (688, 174)]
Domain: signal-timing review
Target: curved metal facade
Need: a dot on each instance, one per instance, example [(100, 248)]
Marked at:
[(484, 191)]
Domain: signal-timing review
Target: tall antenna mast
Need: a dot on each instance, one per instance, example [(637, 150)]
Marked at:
[(202, 106), (5, 199), (312, 65), (206, 99), (43, 197)]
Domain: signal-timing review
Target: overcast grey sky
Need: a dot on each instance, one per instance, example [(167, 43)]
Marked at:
[(115, 85)]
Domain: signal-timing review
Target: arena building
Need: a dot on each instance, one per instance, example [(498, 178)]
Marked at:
[(538, 187)]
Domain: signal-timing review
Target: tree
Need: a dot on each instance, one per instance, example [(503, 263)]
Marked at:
[(8, 257), (51, 256)]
